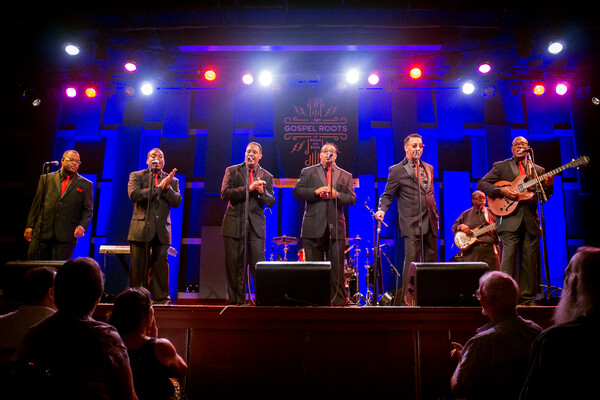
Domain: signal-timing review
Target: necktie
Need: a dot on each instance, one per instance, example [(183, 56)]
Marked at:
[(328, 176), (418, 173), (251, 177), (521, 169), (156, 179), (64, 185)]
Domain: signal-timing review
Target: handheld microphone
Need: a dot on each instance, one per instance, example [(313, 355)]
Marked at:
[(51, 163)]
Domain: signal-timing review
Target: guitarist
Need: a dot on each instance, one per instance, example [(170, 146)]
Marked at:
[(485, 247), (520, 230)]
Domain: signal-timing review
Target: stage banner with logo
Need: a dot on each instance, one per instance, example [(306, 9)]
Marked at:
[(305, 119)]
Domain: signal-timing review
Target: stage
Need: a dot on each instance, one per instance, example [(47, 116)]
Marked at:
[(299, 352)]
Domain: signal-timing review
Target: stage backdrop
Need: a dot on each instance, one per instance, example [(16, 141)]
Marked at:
[(305, 119)]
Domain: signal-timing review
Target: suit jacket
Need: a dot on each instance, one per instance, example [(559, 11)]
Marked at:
[(233, 189), (316, 218), (526, 211), (140, 187), (404, 185), (62, 213)]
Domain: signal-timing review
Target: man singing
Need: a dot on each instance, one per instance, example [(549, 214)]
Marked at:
[(153, 193), (245, 181), (61, 211), (326, 189), (411, 182)]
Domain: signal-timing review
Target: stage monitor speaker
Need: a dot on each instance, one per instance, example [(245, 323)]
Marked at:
[(13, 274), (444, 284), (280, 283)]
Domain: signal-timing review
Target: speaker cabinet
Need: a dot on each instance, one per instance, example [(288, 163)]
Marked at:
[(13, 274), (444, 284), (278, 283)]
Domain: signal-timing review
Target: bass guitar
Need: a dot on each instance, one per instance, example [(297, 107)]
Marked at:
[(502, 206), (463, 241)]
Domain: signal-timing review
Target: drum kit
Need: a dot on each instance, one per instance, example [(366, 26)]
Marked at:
[(350, 263)]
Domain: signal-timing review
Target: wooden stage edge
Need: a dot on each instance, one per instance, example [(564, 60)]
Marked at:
[(299, 352)]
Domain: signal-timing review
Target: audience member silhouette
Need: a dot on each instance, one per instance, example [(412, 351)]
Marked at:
[(84, 358), (154, 361), (38, 304), (493, 363), (563, 358)]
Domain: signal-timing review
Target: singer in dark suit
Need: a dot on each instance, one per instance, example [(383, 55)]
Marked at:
[(246, 178), (324, 224), (417, 210), (61, 212), (519, 231), (153, 193)]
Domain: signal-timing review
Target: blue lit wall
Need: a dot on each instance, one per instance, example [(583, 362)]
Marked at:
[(202, 131)]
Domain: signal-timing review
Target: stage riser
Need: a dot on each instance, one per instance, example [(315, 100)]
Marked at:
[(291, 351)]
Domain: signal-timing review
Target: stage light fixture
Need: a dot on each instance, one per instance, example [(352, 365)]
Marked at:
[(130, 66), (373, 79), (539, 89), (265, 78), (561, 88), (484, 67), (583, 91), (91, 92), (72, 49), (416, 72), (210, 75), (515, 89), (71, 92), (555, 47), (352, 76), (468, 87), (147, 88), (489, 91), (247, 79)]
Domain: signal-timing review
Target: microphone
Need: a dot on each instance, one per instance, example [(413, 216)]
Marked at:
[(51, 163), (365, 206), (155, 162), (417, 153), (329, 155), (249, 158)]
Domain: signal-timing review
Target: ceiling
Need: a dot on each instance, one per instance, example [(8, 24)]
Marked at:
[(308, 39)]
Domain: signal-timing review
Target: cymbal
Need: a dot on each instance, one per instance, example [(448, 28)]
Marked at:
[(354, 239), (284, 240)]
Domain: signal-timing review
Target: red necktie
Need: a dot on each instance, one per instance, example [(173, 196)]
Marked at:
[(328, 176), (251, 177), (156, 179), (418, 174), (64, 185), (521, 169)]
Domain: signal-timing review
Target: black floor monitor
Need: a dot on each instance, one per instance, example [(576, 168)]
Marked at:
[(279, 283)]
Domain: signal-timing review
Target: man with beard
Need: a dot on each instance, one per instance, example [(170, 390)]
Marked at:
[(563, 357)]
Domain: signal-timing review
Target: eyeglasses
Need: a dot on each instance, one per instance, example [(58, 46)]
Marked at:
[(73, 160), (478, 294), (415, 145)]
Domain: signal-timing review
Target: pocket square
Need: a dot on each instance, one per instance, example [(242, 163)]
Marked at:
[(79, 190)]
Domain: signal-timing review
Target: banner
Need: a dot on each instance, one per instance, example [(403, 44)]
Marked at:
[(305, 119)]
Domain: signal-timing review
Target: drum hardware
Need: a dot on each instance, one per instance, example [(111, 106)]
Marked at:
[(286, 241)]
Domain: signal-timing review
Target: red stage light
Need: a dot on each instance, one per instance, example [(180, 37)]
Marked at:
[(416, 72), (485, 68), (210, 75), (373, 79), (91, 92), (130, 66), (248, 79), (539, 89)]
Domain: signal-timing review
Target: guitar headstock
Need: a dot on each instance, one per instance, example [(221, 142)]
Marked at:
[(584, 160)]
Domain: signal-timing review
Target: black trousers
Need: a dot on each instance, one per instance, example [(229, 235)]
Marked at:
[(234, 263), (412, 253), (153, 275), (330, 249), (527, 247), (49, 250)]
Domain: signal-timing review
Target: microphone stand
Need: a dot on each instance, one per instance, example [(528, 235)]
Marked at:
[(417, 173), (542, 198), (377, 283), (333, 203), (246, 212), (150, 195), (45, 172)]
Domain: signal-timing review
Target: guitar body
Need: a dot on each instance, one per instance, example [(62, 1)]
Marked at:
[(502, 206), (464, 241)]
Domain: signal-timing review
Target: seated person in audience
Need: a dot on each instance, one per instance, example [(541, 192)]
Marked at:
[(38, 304), (493, 363), (156, 366), (563, 358), (83, 358)]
